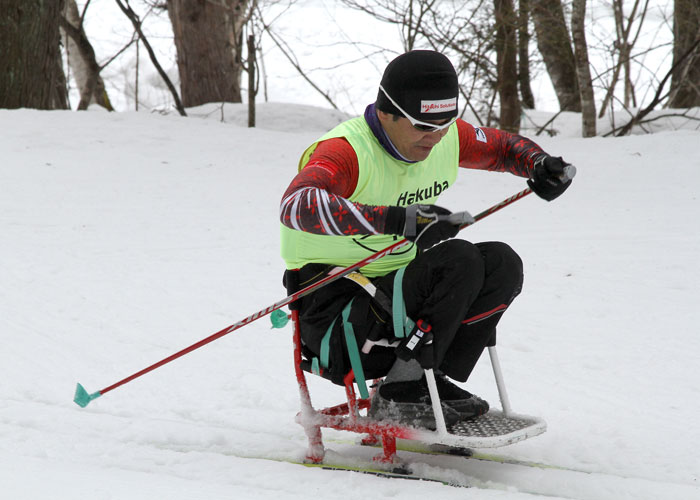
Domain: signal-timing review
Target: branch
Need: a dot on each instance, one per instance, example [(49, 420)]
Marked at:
[(673, 115), (134, 38), (296, 65), (659, 117), (109, 61), (128, 12), (658, 97), (82, 16)]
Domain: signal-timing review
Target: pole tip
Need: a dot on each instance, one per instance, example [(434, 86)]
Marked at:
[(82, 398)]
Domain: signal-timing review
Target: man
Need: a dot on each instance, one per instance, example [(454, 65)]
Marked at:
[(375, 179)]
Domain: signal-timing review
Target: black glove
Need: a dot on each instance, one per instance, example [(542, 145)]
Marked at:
[(549, 177), (420, 224)]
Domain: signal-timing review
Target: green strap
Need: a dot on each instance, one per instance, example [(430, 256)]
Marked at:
[(354, 352), (325, 345), (403, 325), (316, 363)]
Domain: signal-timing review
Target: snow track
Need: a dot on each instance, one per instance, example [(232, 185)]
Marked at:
[(152, 232)]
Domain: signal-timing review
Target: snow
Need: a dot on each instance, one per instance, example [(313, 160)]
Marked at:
[(129, 236)]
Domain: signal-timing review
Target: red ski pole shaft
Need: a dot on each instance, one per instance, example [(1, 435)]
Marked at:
[(82, 397), (498, 206)]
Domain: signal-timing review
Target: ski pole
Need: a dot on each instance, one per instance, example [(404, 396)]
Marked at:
[(569, 174), (498, 206), (82, 398)]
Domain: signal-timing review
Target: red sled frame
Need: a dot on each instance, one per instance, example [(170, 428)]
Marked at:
[(495, 429)]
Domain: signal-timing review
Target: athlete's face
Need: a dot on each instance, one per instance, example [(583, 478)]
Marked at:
[(413, 144)]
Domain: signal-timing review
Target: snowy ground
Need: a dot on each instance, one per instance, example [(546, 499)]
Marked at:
[(126, 237)]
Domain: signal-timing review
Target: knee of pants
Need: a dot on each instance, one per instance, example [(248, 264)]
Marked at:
[(463, 253), (510, 260), (504, 263), (467, 261), (454, 268)]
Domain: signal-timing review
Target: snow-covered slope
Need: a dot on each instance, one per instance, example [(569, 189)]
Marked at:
[(126, 237)]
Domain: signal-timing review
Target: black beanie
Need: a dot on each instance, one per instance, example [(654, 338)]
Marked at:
[(423, 83)]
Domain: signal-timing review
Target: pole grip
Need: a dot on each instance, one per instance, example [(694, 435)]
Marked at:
[(569, 173)]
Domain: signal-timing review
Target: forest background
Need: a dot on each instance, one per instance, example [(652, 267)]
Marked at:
[(613, 61)]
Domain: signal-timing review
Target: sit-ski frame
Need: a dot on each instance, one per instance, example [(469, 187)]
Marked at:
[(494, 429)]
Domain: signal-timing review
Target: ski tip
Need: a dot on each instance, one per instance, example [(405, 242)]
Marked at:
[(82, 398)]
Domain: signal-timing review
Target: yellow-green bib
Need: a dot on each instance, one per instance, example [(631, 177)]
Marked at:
[(382, 180)]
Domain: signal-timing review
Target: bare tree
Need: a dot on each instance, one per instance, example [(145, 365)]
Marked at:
[(410, 15), (685, 80), (289, 54), (506, 56), (81, 58), (583, 70), (31, 68), (209, 46), (554, 44), (526, 95), (659, 95), (622, 45), (625, 48), (136, 23), (462, 30)]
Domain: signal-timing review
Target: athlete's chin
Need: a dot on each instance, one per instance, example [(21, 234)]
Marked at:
[(420, 153)]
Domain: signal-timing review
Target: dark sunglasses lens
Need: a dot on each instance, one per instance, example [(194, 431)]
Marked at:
[(425, 128)]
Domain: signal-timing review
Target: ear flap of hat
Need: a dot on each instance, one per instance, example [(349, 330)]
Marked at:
[(423, 83)]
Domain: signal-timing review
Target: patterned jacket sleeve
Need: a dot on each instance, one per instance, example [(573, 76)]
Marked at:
[(316, 200), (492, 149)]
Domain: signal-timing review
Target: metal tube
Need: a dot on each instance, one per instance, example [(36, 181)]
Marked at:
[(500, 383)]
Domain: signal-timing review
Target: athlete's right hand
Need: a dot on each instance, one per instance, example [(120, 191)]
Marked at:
[(421, 224)]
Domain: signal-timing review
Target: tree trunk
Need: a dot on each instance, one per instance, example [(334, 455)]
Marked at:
[(625, 48), (81, 59), (528, 98), (31, 68), (578, 15), (554, 44), (208, 43), (506, 51), (251, 80), (685, 80)]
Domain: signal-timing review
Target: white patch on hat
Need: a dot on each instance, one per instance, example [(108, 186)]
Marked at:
[(480, 135), (441, 106)]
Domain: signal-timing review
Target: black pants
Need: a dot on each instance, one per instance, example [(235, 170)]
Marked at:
[(461, 289)]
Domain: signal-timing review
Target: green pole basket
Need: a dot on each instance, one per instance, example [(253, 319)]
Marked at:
[(279, 318), (82, 398)]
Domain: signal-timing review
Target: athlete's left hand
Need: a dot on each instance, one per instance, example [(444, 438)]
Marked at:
[(550, 177)]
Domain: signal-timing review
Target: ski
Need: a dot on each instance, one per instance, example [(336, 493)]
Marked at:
[(406, 471), (394, 472), (467, 453), (438, 449)]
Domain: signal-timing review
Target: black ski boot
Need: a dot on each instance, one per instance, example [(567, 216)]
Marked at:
[(408, 403), (466, 404)]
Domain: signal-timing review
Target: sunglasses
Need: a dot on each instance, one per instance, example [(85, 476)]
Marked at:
[(417, 124)]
